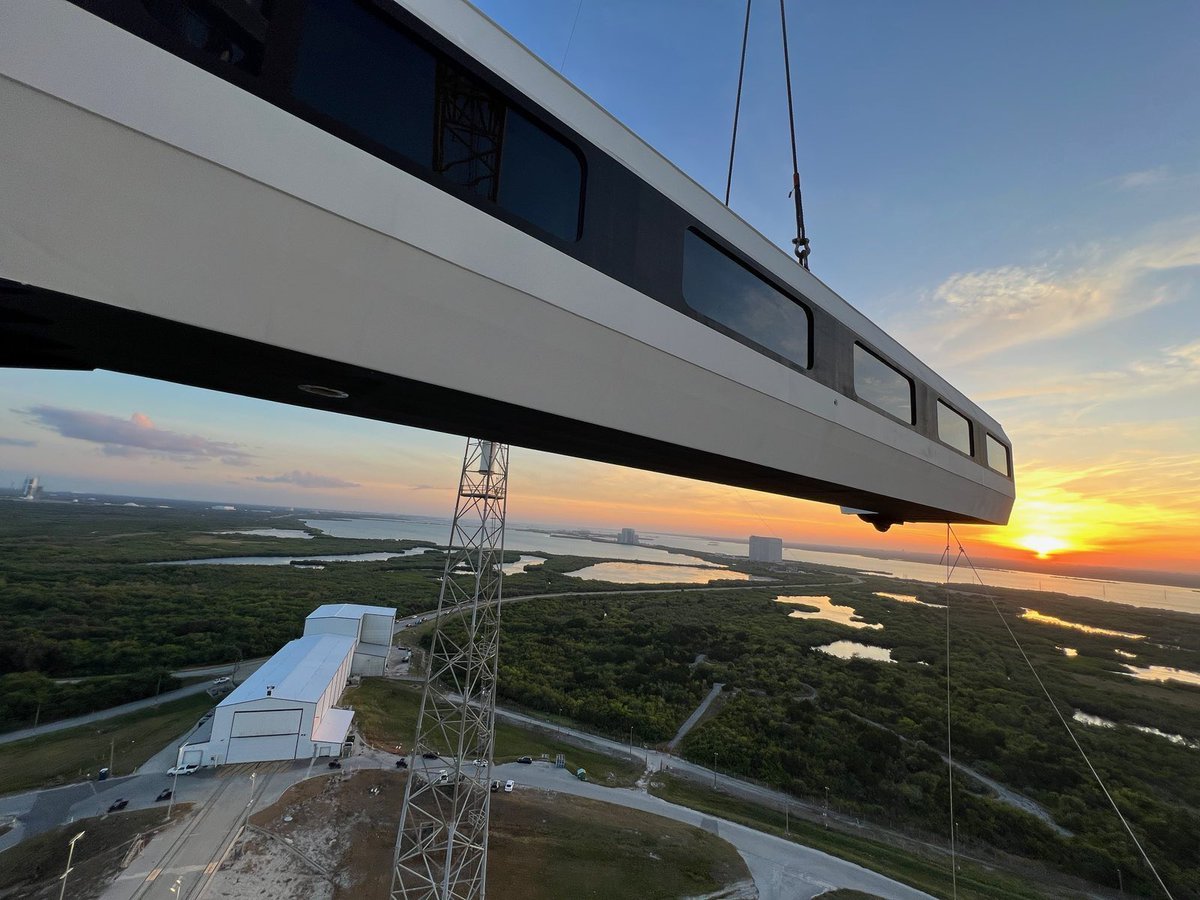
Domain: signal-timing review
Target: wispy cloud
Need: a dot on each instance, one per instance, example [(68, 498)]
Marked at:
[(976, 314), (135, 436), (1132, 181), (16, 442), (306, 479)]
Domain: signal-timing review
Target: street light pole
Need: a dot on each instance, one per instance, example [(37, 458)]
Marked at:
[(714, 768), (174, 788), (112, 755), (67, 871)]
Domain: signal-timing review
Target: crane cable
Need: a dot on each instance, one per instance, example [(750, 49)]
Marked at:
[(1100, 781), (949, 745), (737, 106), (800, 242)]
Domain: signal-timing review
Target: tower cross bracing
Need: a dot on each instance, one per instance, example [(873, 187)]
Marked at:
[(441, 847)]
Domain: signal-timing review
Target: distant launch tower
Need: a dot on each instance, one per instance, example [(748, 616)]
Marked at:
[(32, 489)]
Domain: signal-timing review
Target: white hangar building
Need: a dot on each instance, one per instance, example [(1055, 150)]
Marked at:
[(288, 708), (370, 626)]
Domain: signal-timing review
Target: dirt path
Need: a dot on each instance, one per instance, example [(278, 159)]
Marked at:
[(697, 713)]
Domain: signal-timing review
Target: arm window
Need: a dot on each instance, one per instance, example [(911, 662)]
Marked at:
[(997, 457), (364, 71), (953, 428), (882, 385), (742, 304)]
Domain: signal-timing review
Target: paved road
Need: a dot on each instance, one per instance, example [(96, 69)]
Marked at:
[(9, 736), (782, 870)]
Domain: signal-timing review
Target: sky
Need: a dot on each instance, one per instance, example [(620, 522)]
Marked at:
[(1011, 190)]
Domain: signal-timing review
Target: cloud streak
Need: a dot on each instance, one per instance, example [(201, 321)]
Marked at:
[(135, 436), (16, 442), (307, 480), (972, 315)]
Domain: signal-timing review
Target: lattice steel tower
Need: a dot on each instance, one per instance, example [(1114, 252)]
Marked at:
[(441, 848)]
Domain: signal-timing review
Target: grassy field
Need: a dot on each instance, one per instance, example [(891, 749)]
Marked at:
[(73, 754), (386, 713), (932, 876), (542, 846), (30, 870)]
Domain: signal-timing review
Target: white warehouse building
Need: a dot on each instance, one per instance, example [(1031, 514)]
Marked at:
[(370, 626), (288, 708)]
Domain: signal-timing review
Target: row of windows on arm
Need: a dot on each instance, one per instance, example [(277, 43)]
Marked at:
[(360, 69), (365, 72), (739, 302)]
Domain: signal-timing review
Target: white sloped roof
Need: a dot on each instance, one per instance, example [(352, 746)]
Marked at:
[(349, 611), (300, 671)]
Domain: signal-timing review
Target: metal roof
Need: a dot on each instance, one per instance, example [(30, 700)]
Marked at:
[(349, 611), (300, 671)]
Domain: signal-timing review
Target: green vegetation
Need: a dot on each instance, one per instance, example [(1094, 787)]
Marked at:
[(29, 696), (64, 756), (31, 869), (386, 713), (920, 870), (801, 720), (77, 599)]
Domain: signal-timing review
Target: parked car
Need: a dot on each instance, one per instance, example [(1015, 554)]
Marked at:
[(526, 760), (429, 754), (177, 770), (508, 786), (495, 786), (481, 762), (224, 679), (103, 774), (335, 764), (164, 794), (118, 805), (402, 764)]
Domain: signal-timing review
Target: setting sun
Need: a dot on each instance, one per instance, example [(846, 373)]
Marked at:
[(1042, 544)]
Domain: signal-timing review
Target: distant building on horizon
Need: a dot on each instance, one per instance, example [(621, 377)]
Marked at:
[(627, 536), (766, 549)]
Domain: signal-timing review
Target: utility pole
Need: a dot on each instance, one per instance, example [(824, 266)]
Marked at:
[(714, 770), (112, 755), (67, 871)]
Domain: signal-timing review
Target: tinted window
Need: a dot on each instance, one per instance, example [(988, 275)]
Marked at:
[(997, 456), (541, 179), (882, 385), (470, 123), (207, 27), (953, 428), (719, 287), (358, 68)]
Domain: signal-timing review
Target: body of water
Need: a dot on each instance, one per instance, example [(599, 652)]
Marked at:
[(1032, 615), (519, 539), (827, 610), (1163, 673), (855, 650), (1154, 596), (908, 598), (653, 573), (1099, 722), (288, 560), (271, 532), (438, 531)]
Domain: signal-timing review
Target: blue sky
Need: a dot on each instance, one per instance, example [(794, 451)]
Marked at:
[(1011, 189)]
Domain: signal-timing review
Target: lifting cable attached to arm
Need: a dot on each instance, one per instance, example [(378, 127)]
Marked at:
[(800, 242)]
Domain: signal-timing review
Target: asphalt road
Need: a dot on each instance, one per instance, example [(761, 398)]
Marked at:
[(62, 724), (782, 870)]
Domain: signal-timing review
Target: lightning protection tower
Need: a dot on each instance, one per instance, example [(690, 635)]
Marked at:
[(441, 848)]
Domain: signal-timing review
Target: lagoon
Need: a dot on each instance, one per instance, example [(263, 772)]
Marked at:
[(651, 573)]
